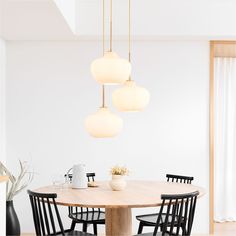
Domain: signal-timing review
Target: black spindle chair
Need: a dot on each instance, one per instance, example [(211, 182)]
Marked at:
[(150, 219), (176, 215), (179, 179), (86, 216), (47, 220)]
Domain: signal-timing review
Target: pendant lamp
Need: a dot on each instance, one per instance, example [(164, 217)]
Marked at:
[(111, 69), (103, 123), (130, 97)]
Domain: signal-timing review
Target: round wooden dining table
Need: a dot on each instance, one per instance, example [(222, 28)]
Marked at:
[(118, 204)]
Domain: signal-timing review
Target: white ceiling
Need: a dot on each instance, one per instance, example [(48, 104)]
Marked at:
[(33, 20), (151, 19), (161, 18)]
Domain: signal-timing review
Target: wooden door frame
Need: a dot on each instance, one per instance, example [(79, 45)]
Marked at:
[(213, 45), (211, 141)]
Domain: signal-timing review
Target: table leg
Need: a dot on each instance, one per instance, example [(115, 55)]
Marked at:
[(118, 222)]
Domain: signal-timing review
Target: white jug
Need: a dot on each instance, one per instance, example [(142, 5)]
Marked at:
[(79, 179)]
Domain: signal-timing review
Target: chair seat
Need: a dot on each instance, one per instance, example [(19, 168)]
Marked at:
[(151, 219), (89, 216), (76, 233)]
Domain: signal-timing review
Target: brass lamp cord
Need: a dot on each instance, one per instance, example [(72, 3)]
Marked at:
[(103, 96), (103, 27), (129, 20), (103, 48), (110, 25), (129, 26)]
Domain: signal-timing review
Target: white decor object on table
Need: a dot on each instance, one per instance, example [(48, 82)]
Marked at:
[(79, 179), (118, 181)]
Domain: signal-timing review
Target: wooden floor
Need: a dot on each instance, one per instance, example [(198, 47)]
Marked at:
[(225, 229), (221, 229)]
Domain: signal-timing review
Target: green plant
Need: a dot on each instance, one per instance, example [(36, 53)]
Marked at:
[(16, 184)]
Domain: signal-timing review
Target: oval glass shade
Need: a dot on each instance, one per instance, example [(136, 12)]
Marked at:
[(103, 124), (110, 69), (130, 97)]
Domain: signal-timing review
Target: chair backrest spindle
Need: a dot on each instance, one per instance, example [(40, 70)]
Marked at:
[(90, 176), (43, 213), (180, 208)]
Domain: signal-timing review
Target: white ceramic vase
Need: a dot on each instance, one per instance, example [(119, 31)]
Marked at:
[(118, 182)]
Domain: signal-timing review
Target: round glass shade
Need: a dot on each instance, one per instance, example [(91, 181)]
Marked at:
[(110, 69), (130, 97), (103, 124)]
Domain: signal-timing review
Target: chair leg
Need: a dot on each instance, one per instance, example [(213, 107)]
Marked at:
[(73, 223), (140, 228), (85, 226), (95, 230)]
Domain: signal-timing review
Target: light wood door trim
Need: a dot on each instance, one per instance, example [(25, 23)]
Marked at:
[(211, 141)]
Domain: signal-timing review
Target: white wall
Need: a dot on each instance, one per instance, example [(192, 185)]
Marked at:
[(2, 133), (50, 91)]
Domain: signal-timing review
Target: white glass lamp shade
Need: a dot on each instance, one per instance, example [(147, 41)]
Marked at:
[(103, 124), (130, 97), (111, 69)]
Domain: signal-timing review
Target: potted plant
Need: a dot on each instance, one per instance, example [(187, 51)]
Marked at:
[(15, 185), (118, 173)]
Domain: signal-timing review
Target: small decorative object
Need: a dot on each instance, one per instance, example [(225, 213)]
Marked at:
[(79, 179), (14, 186), (118, 182), (58, 181)]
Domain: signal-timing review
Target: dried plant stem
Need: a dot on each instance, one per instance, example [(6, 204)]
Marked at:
[(16, 184)]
